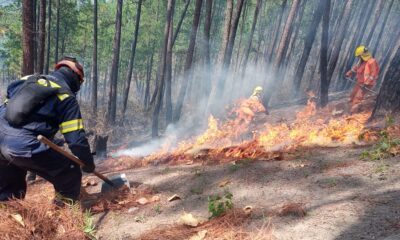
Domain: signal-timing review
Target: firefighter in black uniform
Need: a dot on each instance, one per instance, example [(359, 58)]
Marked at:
[(43, 105)]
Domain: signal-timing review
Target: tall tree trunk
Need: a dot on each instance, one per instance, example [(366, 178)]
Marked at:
[(308, 43), (168, 77), (249, 44), (377, 14), (226, 33), (286, 35), (178, 28), (271, 87), (298, 21), (207, 63), (389, 94), (293, 40), (63, 39), (348, 56), (393, 43), (221, 77), (46, 70), (386, 17), (94, 64), (148, 78), (132, 59), (360, 22), (323, 99), (28, 38), (189, 61), (163, 64), (357, 37), (112, 104), (242, 26), (104, 100), (276, 32), (42, 37), (35, 33), (339, 40), (57, 32)]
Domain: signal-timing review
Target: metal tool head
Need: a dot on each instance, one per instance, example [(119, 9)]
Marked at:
[(118, 181)]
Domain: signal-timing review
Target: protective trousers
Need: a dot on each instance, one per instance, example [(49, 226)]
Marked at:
[(65, 176), (356, 97)]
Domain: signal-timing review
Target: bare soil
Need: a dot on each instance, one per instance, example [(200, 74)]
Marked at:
[(342, 196)]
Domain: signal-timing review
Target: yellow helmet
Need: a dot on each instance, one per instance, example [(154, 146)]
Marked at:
[(360, 50), (258, 89), (363, 53)]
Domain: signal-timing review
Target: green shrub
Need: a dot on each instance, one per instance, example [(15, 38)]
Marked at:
[(385, 148), (218, 205)]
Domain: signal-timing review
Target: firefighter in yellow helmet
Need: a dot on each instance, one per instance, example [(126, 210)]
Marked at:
[(249, 107), (366, 71), (257, 93)]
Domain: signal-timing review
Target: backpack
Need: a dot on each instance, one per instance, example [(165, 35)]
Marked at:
[(29, 98)]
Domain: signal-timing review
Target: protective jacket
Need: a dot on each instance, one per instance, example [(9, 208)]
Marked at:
[(367, 72), (59, 112)]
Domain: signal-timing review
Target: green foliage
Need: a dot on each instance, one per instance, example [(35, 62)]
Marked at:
[(89, 226), (385, 148), (239, 164), (157, 209), (218, 205), (234, 167), (381, 168), (140, 219), (389, 120)]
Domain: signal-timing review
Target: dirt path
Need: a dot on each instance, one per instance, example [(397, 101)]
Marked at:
[(344, 198)]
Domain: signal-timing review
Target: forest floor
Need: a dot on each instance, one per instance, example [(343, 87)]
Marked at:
[(342, 197), (317, 193), (323, 194)]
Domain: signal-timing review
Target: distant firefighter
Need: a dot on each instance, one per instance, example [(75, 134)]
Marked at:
[(257, 94), (367, 71), (249, 107)]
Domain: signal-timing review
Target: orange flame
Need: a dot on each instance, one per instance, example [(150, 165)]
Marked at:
[(222, 140)]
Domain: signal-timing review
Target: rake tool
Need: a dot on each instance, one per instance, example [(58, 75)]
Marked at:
[(363, 87), (113, 183)]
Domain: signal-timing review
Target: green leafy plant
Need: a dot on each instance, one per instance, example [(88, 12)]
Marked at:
[(88, 225), (218, 205), (157, 209), (140, 219), (383, 149), (381, 168), (234, 167)]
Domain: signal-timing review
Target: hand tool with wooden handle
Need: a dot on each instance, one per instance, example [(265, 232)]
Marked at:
[(362, 86), (73, 158)]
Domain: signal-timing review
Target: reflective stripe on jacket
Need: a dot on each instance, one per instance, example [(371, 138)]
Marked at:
[(59, 112)]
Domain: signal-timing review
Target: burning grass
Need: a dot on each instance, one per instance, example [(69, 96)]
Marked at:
[(32, 219), (237, 138), (229, 226)]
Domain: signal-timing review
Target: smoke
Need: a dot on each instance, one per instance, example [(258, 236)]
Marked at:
[(195, 113), (141, 151), (173, 134)]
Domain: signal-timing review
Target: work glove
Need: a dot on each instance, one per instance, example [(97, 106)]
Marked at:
[(59, 142), (83, 153), (88, 168), (349, 74)]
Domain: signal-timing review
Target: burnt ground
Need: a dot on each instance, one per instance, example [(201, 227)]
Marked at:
[(343, 196)]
